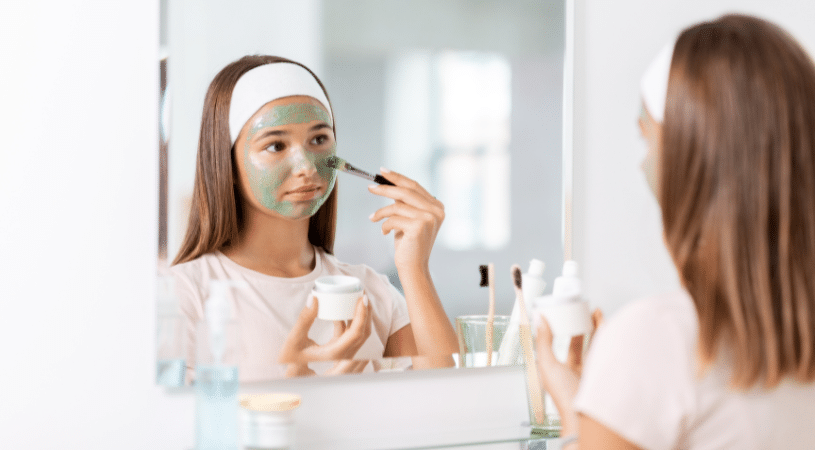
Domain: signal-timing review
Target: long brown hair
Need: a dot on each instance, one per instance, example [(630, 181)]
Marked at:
[(737, 192), (215, 216)]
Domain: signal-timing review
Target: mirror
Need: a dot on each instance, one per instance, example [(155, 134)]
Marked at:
[(464, 96)]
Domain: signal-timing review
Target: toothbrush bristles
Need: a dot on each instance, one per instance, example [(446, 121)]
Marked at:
[(484, 279), (516, 276)]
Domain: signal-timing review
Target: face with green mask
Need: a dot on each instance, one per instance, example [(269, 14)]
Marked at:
[(281, 156)]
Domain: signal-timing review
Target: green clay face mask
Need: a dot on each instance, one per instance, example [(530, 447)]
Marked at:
[(267, 178)]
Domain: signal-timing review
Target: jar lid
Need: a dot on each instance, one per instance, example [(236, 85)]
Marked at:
[(274, 401)]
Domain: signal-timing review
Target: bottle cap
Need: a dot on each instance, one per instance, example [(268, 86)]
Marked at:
[(567, 285), (536, 268)]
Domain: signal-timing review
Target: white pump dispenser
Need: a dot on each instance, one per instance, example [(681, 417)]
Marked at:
[(568, 315), (216, 373), (217, 314), (566, 312)]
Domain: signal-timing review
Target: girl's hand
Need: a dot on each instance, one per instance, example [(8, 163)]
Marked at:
[(561, 379), (415, 216), (299, 348)]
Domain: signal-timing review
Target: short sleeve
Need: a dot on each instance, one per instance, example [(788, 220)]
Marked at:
[(189, 305), (638, 376), (400, 317)]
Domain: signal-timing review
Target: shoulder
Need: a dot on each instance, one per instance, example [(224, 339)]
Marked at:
[(656, 333), (644, 355), (667, 316), (194, 271), (191, 278)]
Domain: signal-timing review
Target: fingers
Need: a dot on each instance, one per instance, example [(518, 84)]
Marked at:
[(544, 341), (596, 320), (339, 328), (402, 181), (408, 191), (574, 359), (305, 319), (400, 208)]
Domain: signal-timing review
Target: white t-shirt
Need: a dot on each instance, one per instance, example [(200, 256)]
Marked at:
[(640, 381), (268, 309)]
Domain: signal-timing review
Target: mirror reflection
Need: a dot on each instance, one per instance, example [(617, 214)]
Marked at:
[(462, 104)]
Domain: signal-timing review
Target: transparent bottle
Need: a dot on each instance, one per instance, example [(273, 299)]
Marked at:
[(216, 373)]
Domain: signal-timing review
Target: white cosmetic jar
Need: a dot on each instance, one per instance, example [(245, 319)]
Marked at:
[(267, 421), (567, 317), (337, 296)]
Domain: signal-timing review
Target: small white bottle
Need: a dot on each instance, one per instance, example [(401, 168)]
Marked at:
[(216, 373), (568, 315)]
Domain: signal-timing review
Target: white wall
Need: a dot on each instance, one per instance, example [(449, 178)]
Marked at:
[(78, 194), (617, 223)]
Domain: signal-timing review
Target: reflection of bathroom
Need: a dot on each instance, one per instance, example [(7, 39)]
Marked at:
[(78, 183), (470, 110)]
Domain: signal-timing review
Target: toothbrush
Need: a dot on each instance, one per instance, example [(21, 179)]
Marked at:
[(488, 280), (337, 163), (532, 381)]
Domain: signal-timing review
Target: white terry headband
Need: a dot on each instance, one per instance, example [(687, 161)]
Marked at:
[(268, 82), (654, 84)]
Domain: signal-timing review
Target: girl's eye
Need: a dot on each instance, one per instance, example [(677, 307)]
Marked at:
[(319, 140), (275, 147)]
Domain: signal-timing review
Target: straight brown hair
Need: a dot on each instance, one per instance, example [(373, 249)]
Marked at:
[(737, 192), (215, 215)]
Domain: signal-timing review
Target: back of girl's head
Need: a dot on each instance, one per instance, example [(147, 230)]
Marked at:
[(215, 211), (737, 194)]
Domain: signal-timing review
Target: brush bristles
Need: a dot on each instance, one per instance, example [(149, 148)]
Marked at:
[(484, 278), (516, 276), (334, 162)]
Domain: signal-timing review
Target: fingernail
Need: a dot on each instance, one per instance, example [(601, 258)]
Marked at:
[(372, 186), (384, 170), (365, 300), (310, 301), (371, 217)]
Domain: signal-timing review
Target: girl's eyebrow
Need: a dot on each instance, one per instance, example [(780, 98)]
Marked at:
[(267, 133), (319, 126)]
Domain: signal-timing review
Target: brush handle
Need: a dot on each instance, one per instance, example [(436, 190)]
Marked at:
[(490, 311), (382, 180), (532, 379)]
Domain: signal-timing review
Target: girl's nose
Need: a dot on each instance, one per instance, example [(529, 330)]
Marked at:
[(303, 162)]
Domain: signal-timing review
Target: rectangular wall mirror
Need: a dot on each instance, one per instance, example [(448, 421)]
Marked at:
[(464, 96)]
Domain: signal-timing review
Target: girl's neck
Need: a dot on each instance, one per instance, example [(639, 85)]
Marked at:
[(273, 245)]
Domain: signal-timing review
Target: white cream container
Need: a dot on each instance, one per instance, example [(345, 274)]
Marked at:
[(567, 317), (337, 296), (267, 421)]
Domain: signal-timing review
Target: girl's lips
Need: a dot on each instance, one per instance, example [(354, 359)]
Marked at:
[(305, 193)]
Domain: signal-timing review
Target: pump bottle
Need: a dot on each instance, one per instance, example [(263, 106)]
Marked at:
[(216, 373), (568, 315)]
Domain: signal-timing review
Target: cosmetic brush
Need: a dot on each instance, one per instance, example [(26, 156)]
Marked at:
[(488, 280), (532, 381), (337, 163)]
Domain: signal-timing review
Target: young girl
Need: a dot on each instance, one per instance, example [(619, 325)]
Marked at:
[(729, 117), (264, 211)]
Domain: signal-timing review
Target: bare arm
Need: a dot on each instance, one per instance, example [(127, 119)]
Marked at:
[(415, 218)]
